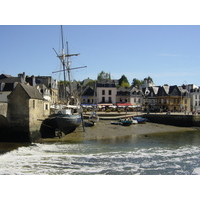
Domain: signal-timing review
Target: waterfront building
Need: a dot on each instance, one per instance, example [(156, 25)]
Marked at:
[(49, 84), (21, 116), (150, 98), (46, 85), (136, 97), (123, 96), (195, 100), (8, 83), (26, 111), (167, 98), (88, 96), (106, 92)]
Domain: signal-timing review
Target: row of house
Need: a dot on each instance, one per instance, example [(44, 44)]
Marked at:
[(147, 97), (106, 93), (46, 85)]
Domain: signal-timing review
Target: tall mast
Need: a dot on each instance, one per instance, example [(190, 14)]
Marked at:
[(67, 68), (63, 62)]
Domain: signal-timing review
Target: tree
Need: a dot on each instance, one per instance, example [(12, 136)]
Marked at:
[(149, 79), (103, 75), (136, 82), (125, 84), (123, 81)]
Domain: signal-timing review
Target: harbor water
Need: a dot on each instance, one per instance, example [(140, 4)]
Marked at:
[(152, 154)]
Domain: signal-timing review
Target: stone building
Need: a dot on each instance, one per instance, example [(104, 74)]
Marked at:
[(26, 111), (165, 98), (46, 85), (50, 84)]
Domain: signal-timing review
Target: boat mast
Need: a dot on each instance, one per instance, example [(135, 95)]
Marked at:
[(67, 68), (63, 63)]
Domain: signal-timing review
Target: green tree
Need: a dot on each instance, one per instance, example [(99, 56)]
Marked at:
[(124, 81), (103, 75), (125, 84), (136, 82)]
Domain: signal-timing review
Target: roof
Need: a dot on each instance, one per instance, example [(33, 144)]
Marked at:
[(106, 83), (88, 92), (8, 87), (32, 92), (10, 80), (2, 76)]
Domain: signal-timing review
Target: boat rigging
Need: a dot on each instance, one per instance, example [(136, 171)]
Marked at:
[(64, 58)]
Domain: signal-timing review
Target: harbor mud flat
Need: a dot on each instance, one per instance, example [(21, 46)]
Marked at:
[(105, 130)]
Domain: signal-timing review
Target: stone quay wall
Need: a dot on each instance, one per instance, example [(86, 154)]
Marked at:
[(175, 120)]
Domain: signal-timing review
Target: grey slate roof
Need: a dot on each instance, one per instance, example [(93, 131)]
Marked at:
[(10, 80), (32, 92), (106, 83), (2, 76)]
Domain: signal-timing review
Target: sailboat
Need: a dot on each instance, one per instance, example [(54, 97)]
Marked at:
[(66, 118)]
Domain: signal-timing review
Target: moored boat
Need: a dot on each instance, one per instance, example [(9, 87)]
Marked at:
[(67, 117), (126, 121), (93, 118), (140, 119)]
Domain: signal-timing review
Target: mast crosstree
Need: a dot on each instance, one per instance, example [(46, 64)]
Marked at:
[(64, 58)]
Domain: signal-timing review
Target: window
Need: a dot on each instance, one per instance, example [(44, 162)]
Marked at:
[(110, 99), (185, 101), (46, 107), (33, 103), (103, 92), (110, 92), (103, 99)]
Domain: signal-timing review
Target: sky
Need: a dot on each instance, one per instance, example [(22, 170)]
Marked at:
[(164, 50), (169, 54)]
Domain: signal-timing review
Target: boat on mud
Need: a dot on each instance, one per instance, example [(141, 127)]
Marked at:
[(93, 118), (140, 119), (67, 117)]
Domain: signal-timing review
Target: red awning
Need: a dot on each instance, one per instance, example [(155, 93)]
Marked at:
[(124, 104)]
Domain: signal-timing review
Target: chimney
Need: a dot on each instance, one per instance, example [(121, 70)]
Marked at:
[(22, 77), (33, 80)]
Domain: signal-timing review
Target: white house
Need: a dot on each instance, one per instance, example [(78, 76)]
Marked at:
[(106, 92)]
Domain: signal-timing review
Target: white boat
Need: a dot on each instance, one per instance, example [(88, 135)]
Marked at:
[(128, 120), (93, 118)]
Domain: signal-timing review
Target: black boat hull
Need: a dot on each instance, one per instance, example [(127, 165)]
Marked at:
[(59, 122)]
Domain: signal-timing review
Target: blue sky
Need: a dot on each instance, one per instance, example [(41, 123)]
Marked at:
[(169, 54)]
